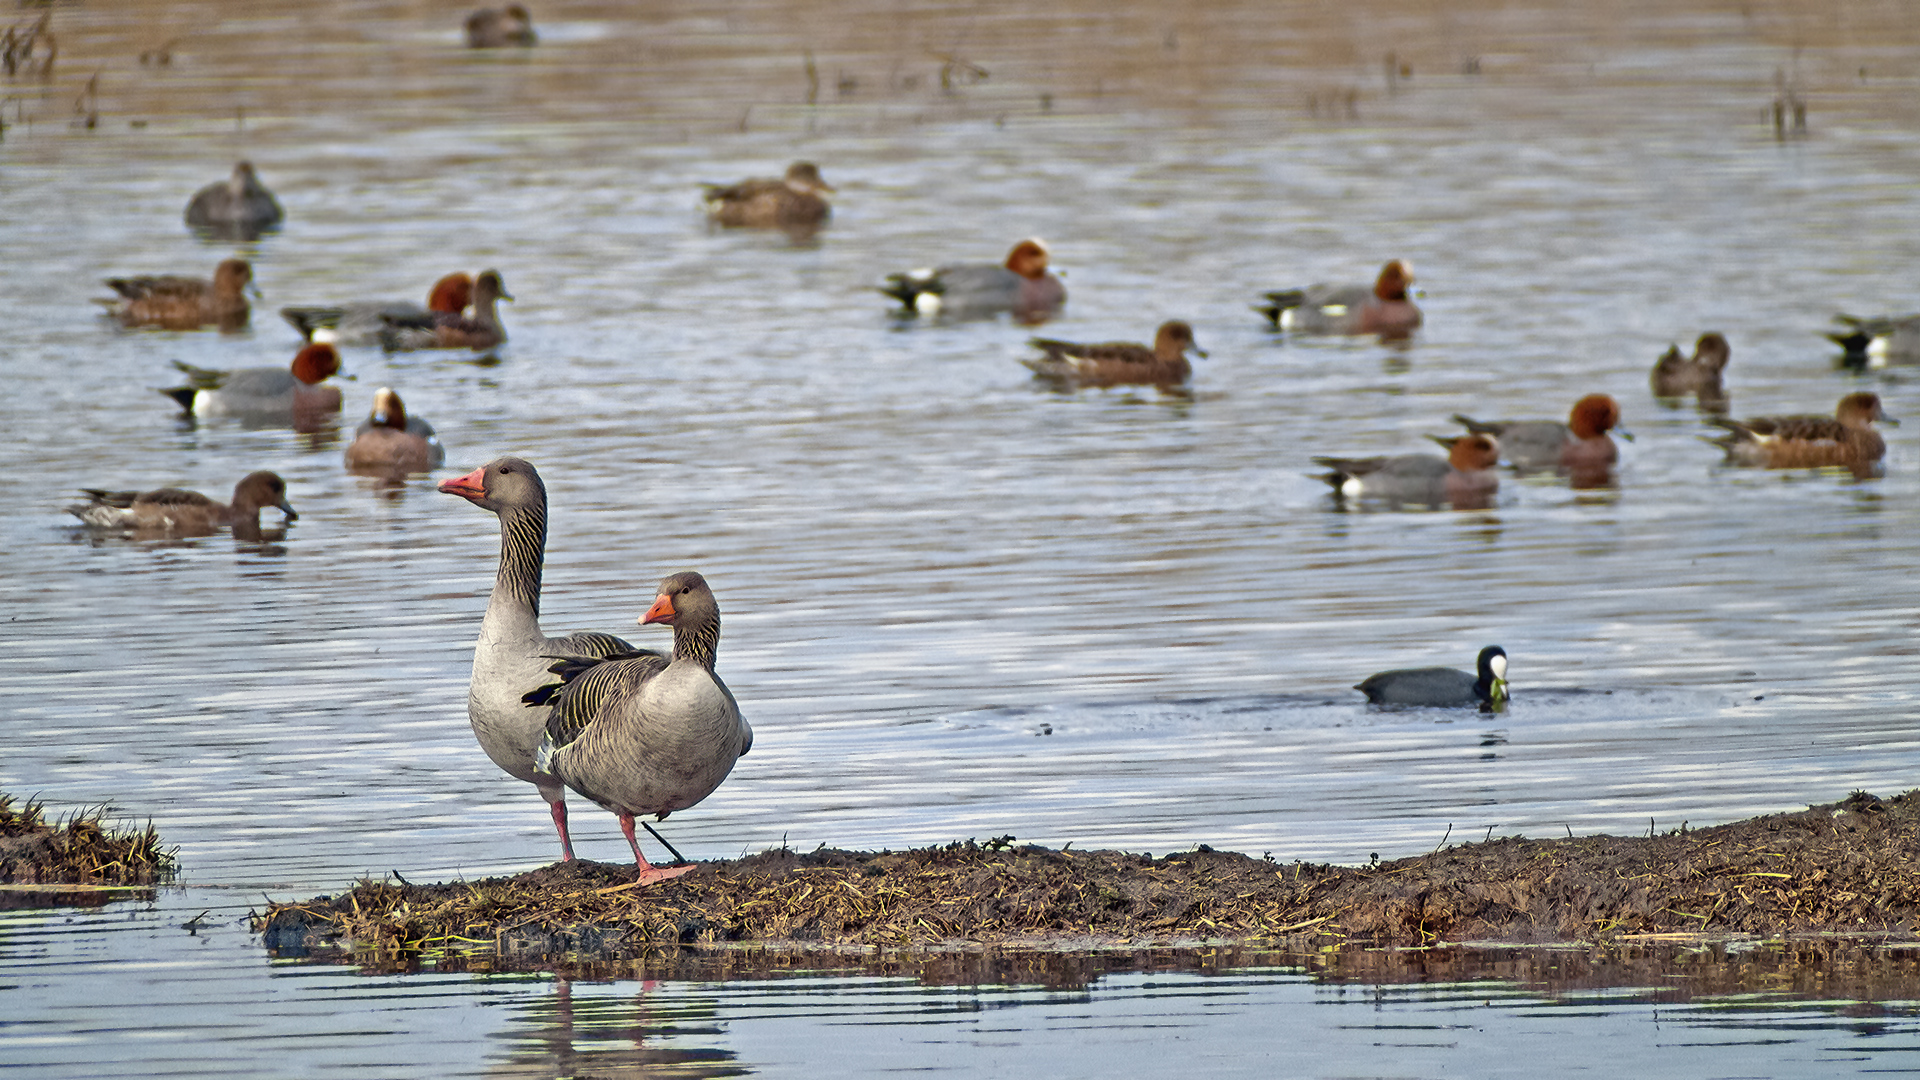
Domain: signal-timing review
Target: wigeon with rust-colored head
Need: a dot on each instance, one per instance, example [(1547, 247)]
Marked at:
[(1119, 363), (794, 201), (1022, 286), (392, 443), (1846, 439), (1466, 479), (1381, 308), (170, 302), (361, 323), (296, 394), (1581, 445)]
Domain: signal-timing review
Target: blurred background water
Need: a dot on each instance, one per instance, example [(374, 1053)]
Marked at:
[(956, 603)]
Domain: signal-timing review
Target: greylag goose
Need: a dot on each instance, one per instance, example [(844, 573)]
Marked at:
[(1441, 686), (512, 656), (647, 734)]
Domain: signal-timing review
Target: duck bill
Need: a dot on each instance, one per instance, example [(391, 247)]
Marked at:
[(287, 509), (471, 487), (661, 611)]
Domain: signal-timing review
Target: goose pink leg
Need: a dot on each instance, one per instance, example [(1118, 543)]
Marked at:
[(559, 808), (649, 873)]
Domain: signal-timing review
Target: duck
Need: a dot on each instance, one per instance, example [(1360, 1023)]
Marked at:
[(512, 657), (296, 393), (1466, 479), (1022, 285), (1581, 445), (175, 512), (1846, 439), (1677, 376), (1119, 363), (1381, 308), (391, 443), (1441, 686), (647, 734), (237, 208), (451, 330), (172, 302), (361, 323), (491, 28), (1878, 341), (792, 201)]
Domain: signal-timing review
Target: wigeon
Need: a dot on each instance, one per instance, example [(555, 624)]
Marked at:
[(294, 394), (791, 202), (492, 29), (1441, 686), (392, 443), (173, 512), (183, 303), (647, 734), (361, 323), (1879, 341), (1119, 363), (1846, 439), (1466, 479), (1677, 376), (238, 208), (1021, 286), (1381, 308), (451, 330), (512, 656), (1579, 446)]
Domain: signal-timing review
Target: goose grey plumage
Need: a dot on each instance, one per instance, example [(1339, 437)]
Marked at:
[(1442, 686), (512, 655), (647, 734)]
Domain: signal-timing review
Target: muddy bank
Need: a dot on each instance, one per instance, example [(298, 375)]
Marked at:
[(1845, 868), (78, 861)]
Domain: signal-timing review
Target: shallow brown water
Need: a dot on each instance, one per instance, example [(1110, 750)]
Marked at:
[(957, 604)]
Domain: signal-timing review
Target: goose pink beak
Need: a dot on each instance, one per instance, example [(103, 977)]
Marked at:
[(470, 487), (661, 611)]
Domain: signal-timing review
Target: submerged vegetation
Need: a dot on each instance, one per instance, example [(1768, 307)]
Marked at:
[(1843, 868), (80, 851)]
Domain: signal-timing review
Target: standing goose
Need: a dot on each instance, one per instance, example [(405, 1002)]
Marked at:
[(511, 659), (647, 734)]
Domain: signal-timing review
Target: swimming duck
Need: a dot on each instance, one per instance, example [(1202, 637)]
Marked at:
[(174, 512), (391, 443), (765, 203), (183, 303), (1466, 479), (513, 655), (451, 330), (1118, 363), (294, 393), (1440, 686), (362, 323), (1381, 308), (1846, 439), (238, 208), (1879, 341), (1022, 286), (1581, 445), (648, 734), (1677, 376), (491, 29)]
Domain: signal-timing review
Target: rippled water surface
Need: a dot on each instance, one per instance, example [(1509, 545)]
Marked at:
[(957, 604)]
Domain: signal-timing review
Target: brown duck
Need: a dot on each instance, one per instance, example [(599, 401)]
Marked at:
[(1846, 439), (183, 303), (175, 512), (792, 201), (1119, 363)]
